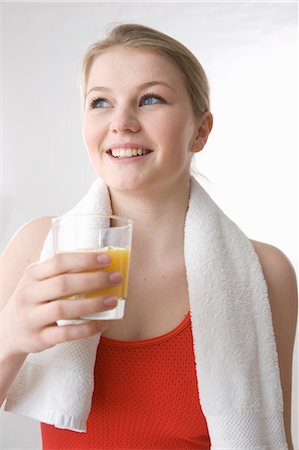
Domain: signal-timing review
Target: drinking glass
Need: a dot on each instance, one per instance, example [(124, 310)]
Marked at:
[(94, 233)]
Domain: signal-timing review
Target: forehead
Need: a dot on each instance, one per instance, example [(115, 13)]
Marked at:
[(128, 66)]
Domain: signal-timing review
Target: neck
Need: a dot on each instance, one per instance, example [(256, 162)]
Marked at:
[(159, 217)]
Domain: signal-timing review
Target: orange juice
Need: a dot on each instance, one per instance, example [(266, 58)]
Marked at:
[(97, 233), (120, 263)]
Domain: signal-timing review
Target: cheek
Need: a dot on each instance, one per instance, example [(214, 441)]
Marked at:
[(179, 138), (178, 126), (85, 132), (90, 135)]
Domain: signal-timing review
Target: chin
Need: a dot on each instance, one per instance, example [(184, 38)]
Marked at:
[(128, 183)]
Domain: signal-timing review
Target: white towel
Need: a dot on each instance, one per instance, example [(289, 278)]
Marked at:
[(234, 345)]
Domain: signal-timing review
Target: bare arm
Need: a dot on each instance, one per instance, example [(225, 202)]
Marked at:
[(282, 289), (31, 298), (23, 249)]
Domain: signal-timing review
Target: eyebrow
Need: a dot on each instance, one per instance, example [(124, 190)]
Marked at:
[(143, 85)]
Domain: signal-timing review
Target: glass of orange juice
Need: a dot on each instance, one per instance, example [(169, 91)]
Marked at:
[(98, 233)]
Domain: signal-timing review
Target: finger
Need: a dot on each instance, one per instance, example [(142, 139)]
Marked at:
[(70, 284), (55, 334), (69, 309), (69, 262)]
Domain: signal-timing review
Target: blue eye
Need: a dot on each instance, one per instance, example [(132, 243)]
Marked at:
[(151, 99), (97, 103)]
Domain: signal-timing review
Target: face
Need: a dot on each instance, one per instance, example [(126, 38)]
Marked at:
[(138, 126)]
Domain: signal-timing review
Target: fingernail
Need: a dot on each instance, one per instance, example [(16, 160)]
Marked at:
[(103, 258), (111, 301), (115, 277)]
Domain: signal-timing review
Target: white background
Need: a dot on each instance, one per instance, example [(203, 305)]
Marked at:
[(249, 51)]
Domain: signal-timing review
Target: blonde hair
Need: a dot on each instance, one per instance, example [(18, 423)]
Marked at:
[(142, 37)]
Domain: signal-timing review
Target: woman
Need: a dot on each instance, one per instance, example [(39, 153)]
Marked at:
[(146, 113)]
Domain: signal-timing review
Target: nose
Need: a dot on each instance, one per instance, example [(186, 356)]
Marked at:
[(124, 120)]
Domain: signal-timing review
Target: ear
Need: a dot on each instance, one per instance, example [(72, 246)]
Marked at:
[(204, 127)]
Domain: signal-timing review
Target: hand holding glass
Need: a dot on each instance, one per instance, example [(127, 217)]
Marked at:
[(97, 233)]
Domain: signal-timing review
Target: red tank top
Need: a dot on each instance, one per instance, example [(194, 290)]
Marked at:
[(145, 397)]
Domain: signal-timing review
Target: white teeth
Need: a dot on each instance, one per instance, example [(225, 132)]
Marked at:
[(127, 152)]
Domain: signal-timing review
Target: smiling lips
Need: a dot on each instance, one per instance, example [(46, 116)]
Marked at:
[(128, 152)]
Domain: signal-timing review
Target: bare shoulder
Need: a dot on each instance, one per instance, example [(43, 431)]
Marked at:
[(28, 239), (278, 271), (281, 281), (22, 250)]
